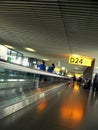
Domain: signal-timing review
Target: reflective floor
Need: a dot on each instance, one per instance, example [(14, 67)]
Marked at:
[(68, 109)]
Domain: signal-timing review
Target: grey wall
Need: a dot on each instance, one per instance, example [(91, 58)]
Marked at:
[(89, 71)]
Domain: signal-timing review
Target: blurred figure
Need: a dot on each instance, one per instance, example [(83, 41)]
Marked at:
[(51, 68), (87, 84), (74, 78), (79, 80), (95, 83), (42, 66)]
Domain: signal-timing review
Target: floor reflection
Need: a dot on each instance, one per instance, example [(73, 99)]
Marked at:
[(74, 113), (41, 106), (72, 108), (76, 87)]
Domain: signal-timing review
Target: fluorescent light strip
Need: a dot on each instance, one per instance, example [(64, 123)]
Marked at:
[(8, 46), (46, 59), (29, 49)]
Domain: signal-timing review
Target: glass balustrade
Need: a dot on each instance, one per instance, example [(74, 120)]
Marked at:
[(18, 80)]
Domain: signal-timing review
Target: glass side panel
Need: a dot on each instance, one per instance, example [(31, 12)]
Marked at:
[(15, 83)]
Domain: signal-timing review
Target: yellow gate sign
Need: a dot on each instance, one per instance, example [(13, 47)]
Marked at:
[(80, 60)]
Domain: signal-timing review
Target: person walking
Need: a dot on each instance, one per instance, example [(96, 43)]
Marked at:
[(42, 67), (51, 68)]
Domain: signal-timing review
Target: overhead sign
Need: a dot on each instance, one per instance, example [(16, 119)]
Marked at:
[(80, 60)]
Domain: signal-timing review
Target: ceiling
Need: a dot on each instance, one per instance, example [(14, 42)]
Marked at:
[(54, 28)]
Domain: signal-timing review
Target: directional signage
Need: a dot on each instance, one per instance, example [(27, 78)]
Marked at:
[(80, 60)]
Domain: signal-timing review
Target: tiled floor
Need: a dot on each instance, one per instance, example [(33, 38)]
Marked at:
[(67, 109)]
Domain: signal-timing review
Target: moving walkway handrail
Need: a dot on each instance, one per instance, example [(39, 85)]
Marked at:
[(11, 66)]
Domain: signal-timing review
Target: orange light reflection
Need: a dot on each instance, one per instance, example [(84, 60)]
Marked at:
[(41, 106), (74, 114), (76, 87), (72, 108)]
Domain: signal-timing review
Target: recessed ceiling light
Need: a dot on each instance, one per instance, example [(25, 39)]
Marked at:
[(76, 68), (29, 49), (46, 59), (63, 68), (8, 46)]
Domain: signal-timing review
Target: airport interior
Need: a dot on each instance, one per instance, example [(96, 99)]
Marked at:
[(48, 65)]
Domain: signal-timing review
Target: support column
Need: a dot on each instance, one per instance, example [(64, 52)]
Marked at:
[(89, 71)]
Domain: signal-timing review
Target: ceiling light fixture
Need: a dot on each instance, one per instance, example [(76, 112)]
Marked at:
[(76, 68), (46, 59), (29, 49), (8, 46), (63, 68)]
